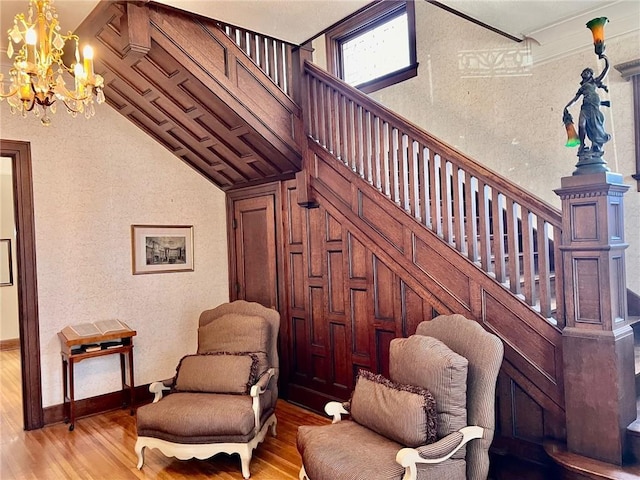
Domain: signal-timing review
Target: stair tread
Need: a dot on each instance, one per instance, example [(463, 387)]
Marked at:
[(588, 467)]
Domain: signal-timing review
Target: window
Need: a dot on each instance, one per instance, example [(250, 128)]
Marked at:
[(376, 47)]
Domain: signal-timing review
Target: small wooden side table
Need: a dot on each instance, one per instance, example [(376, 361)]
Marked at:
[(73, 351)]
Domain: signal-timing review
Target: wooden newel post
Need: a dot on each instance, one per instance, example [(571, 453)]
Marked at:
[(301, 96), (600, 397)]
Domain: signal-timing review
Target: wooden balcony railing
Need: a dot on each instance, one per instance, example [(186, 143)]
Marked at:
[(509, 233), (273, 56)]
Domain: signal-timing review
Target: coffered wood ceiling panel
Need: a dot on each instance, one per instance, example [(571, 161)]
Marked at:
[(183, 81)]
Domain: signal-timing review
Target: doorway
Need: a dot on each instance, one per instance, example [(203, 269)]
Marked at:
[(26, 279)]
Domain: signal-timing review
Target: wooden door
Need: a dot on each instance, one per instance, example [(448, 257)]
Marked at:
[(254, 270)]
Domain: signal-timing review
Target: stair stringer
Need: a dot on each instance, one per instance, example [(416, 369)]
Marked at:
[(533, 347)]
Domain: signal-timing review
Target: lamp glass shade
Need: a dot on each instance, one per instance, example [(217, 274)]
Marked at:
[(597, 29), (572, 136)]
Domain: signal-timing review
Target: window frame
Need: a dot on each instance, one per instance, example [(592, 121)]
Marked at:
[(365, 19)]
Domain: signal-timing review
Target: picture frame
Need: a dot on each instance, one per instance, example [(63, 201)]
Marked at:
[(6, 265), (161, 248)]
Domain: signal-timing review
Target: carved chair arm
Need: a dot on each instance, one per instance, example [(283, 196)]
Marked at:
[(436, 452), (256, 390), (261, 385), (157, 388), (335, 410)]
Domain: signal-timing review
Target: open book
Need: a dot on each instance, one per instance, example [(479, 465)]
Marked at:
[(98, 328)]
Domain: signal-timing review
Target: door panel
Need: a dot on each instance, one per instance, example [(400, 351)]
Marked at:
[(255, 248)]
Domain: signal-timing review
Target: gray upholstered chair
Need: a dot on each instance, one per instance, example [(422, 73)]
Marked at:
[(451, 360), (223, 398)]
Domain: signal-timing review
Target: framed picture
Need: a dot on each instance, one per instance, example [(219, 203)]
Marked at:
[(6, 268), (162, 248)]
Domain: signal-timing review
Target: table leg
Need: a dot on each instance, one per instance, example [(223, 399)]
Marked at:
[(72, 403), (65, 403), (132, 387)]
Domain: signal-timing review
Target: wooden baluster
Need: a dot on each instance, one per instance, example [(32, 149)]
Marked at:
[(281, 67), (333, 113), (414, 179), (393, 160), (513, 249), (252, 47), (242, 40), (262, 52), (288, 64), (498, 236), (470, 190), (528, 265), (459, 220), (313, 124), (403, 176), (368, 145), (322, 124), (329, 119), (543, 268), (434, 195), (423, 184), (351, 157), (558, 271), (483, 217), (376, 136), (445, 191), (357, 140), (271, 59), (342, 118), (385, 142)]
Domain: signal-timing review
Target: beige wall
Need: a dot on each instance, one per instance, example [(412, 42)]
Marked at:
[(513, 123), (92, 180), (9, 293)]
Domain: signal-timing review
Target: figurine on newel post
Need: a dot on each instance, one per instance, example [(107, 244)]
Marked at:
[(591, 120)]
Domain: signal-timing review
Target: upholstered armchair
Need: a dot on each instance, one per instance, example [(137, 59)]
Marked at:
[(223, 398), (432, 419)]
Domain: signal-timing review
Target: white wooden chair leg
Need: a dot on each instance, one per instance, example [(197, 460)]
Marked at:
[(245, 459), (140, 452), (303, 474)]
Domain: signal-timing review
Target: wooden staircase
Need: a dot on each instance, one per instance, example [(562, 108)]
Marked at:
[(446, 228)]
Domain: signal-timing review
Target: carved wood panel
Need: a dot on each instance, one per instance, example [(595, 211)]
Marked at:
[(394, 276)]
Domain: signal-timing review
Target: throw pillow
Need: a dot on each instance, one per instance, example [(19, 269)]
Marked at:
[(403, 413), (220, 372)]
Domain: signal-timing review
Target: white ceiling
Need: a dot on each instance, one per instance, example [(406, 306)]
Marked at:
[(544, 21)]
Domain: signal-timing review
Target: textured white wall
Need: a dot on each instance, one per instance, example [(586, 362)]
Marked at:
[(9, 293), (92, 180), (513, 124)]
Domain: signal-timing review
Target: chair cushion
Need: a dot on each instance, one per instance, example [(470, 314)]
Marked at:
[(429, 363), (198, 418), (401, 412), (219, 372), (347, 450), (235, 333)]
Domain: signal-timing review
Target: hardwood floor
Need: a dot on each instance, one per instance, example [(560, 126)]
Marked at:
[(101, 446)]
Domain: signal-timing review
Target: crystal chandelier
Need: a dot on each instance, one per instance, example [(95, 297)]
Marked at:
[(36, 49)]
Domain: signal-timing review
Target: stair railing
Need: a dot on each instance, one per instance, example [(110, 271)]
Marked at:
[(273, 56), (509, 233)]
